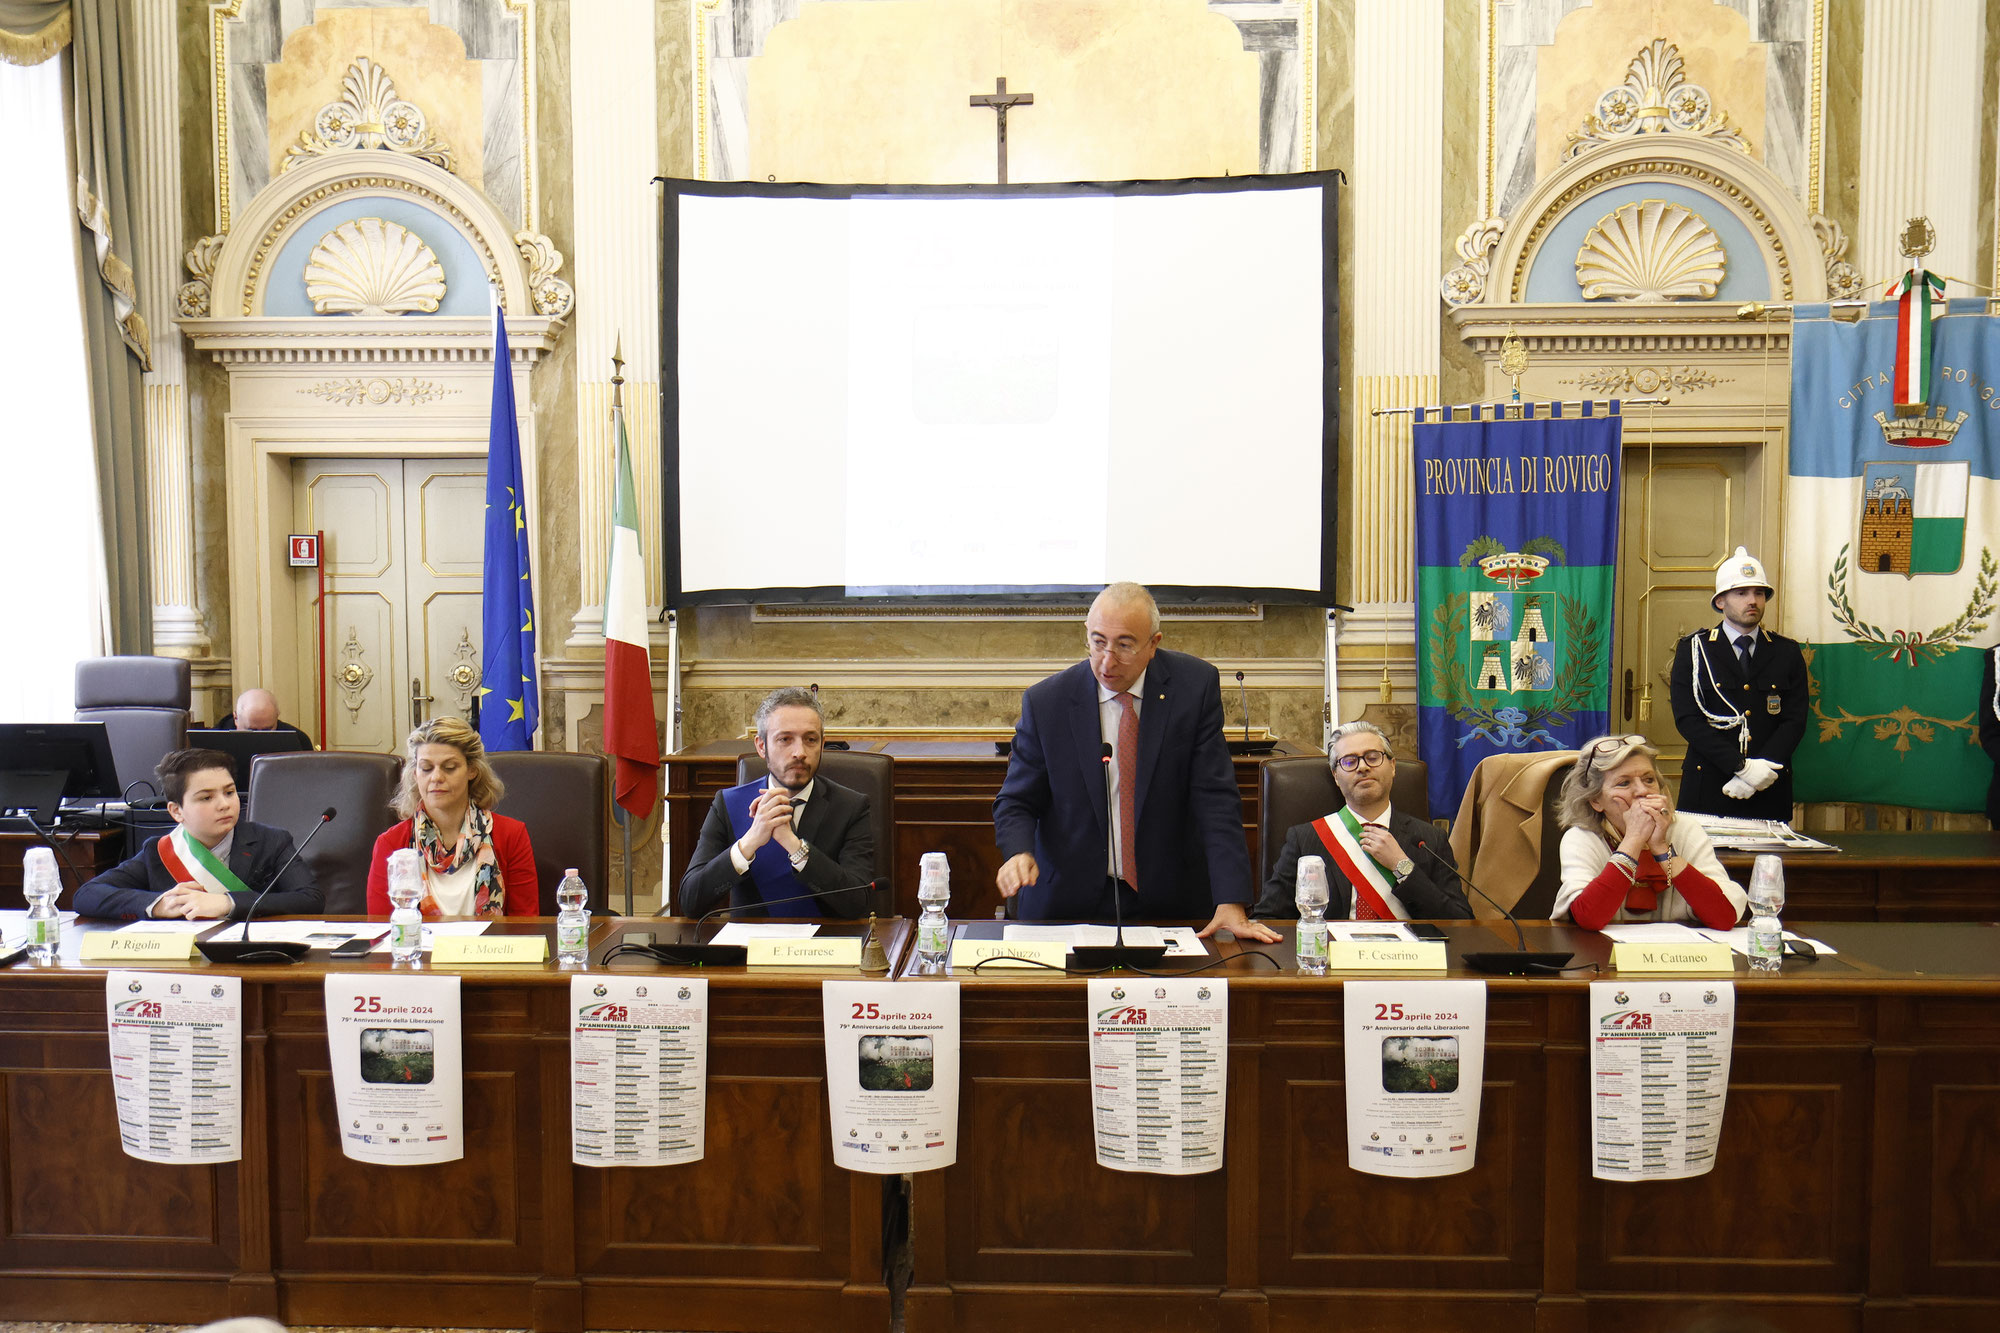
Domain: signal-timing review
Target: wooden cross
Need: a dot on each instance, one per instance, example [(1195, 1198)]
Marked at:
[(1000, 99)]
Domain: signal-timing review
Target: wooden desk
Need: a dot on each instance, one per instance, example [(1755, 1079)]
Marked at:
[(1891, 877), (944, 803), (89, 852)]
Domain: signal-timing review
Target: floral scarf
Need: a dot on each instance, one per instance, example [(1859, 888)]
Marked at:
[(474, 847)]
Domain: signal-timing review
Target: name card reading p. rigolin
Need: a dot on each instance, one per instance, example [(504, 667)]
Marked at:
[(1041, 954), (105, 945), (1677, 956), (814, 951), (449, 949), (1385, 956)]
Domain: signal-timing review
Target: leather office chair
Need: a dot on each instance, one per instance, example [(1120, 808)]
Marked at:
[(289, 791), (1540, 898), (565, 800), (1297, 789), (143, 704), (874, 776)]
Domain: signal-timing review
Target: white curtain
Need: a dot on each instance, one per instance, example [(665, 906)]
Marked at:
[(52, 604)]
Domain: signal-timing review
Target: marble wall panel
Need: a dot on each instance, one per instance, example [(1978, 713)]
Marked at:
[(555, 376)]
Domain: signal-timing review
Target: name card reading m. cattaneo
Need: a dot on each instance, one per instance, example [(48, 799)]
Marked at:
[(1675, 956), (106, 945), (815, 951), (449, 949), (1385, 956)]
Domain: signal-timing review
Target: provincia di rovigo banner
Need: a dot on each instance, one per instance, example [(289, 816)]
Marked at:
[(1889, 575)]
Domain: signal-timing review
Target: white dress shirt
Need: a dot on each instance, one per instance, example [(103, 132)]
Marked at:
[(1109, 713)]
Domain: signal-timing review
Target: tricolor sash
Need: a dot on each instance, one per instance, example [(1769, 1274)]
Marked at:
[(191, 863), (1372, 883)]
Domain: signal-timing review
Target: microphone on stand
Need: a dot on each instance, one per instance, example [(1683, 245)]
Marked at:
[(707, 953), (242, 949), (1521, 962), (1243, 698), (1246, 745), (1119, 953)]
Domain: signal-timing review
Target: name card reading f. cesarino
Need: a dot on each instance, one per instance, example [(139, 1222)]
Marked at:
[(1008, 953), (1678, 956), (815, 951), (104, 945), (450, 949), (1385, 956)]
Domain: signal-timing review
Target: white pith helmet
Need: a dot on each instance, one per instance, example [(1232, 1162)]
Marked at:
[(1741, 570)]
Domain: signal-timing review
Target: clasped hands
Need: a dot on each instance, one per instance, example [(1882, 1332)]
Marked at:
[(770, 818), (1753, 777), (1021, 870), (191, 902), (1648, 821)]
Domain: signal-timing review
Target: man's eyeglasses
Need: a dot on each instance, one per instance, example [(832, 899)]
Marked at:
[(1350, 763), (1124, 649)]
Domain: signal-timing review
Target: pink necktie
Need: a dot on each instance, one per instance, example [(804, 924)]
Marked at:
[(1128, 790), (1364, 910)]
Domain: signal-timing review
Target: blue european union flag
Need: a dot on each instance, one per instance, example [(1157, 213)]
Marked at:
[(508, 706)]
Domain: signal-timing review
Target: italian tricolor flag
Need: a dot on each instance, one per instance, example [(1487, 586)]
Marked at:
[(1914, 292), (631, 732)]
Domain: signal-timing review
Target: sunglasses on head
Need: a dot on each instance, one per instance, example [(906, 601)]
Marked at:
[(1607, 746)]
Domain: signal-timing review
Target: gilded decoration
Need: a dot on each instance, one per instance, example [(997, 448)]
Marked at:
[(1651, 250), (550, 294), (1656, 98), (193, 297), (1842, 282), (356, 391), (369, 266), (1646, 381), (353, 675), (1467, 283), (369, 115)]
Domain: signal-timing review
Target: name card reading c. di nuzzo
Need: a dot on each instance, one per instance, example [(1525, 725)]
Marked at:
[(814, 951)]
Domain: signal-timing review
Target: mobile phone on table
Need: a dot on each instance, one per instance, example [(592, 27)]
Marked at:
[(1425, 930), (357, 947)]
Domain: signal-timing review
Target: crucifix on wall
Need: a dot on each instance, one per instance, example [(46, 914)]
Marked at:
[(1000, 100)]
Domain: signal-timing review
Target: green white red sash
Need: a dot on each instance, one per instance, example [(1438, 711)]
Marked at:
[(191, 863), (1373, 885), (1913, 293)]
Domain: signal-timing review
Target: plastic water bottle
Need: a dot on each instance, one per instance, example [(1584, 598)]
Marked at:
[(1767, 904), (572, 921), (406, 890), (934, 892), (41, 888), (1311, 897)]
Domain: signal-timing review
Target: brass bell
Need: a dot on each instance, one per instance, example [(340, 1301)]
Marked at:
[(874, 958)]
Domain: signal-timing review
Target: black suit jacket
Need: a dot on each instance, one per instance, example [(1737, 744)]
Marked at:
[(839, 864), (128, 889), (1191, 852), (1989, 735), (1430, 893), (1777, 672)]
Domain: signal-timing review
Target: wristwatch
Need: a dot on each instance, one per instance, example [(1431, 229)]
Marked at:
[(802, 855), (1401, 870)]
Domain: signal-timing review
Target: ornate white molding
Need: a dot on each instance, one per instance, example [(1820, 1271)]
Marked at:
[(370, 266), (551, 295), (1647, 381), (1656, 98), (1575, 329), (358, 391), (1651, 250), (194, 297), (369, 115), (1842, 282), (1467, 283), (367, 340), (902, 673)]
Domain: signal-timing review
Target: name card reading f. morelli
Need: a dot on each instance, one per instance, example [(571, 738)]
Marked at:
[(1385, 956), (815, 951), (108, 946), (177, 1064), (638, 1049), (1696, 955), (450, 949)]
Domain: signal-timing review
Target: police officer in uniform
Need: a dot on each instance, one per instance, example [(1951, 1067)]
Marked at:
[(1740, 702), (1989, 730)]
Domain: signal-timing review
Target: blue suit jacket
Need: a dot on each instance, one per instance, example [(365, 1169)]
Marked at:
[(128, 889), (1191, 851)]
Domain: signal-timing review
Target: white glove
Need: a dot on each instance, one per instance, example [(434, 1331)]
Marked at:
[(1759, 773), (1736, 789)]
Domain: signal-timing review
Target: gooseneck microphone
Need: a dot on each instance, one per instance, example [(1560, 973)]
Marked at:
[(1519, 963), (1090, 957), (1243, 699), (241, 949), (707, 953)]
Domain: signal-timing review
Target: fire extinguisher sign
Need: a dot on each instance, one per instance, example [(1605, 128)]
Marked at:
[(304, 549)]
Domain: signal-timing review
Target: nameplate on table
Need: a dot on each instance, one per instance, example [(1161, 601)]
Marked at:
[(1038, 954), (809, 951), (1385, 956), (100, 946), (449, 949), (1674, 956)]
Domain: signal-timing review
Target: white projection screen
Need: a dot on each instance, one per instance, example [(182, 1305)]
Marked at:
[(1017, 393)]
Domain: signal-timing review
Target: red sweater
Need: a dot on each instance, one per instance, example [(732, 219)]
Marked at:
[(516, 857), (1603, 896)]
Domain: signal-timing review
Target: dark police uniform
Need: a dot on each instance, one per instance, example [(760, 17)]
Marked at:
[(1772, 698), (1989, 731)]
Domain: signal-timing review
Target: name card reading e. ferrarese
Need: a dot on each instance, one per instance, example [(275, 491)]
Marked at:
[(817, 951), (1008, 953), (1691, 956), (451, 949), (103, 945), (1386, 956)]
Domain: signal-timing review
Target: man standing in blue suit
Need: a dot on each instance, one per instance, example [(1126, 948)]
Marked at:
[(1175, 849)]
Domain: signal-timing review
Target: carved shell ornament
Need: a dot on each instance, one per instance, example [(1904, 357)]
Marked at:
[(1651, 250), (369, 115), (370, 266)]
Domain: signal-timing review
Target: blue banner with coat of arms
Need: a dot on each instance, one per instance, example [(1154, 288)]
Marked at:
[(1889, 578), (1517, 545)]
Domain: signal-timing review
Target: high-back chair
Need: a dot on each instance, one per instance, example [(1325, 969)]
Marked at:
[(1540, 898), (1297, 789), (565, 800), (290, 790), (143, 704), (874, 776)]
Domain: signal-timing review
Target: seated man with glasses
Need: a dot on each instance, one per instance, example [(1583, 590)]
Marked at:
[(1380, 863)]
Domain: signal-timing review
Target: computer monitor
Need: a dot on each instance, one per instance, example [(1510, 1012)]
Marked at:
[(244, 746), (43, 764)]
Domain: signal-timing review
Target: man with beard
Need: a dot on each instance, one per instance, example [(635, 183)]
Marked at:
[(790, 834)]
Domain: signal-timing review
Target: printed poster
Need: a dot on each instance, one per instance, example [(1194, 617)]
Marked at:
[(177, 1065), (892, 1074), (1659, 1076), (1159, 1072), (639, 1070), (398, 1070), (1416, 1060)]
